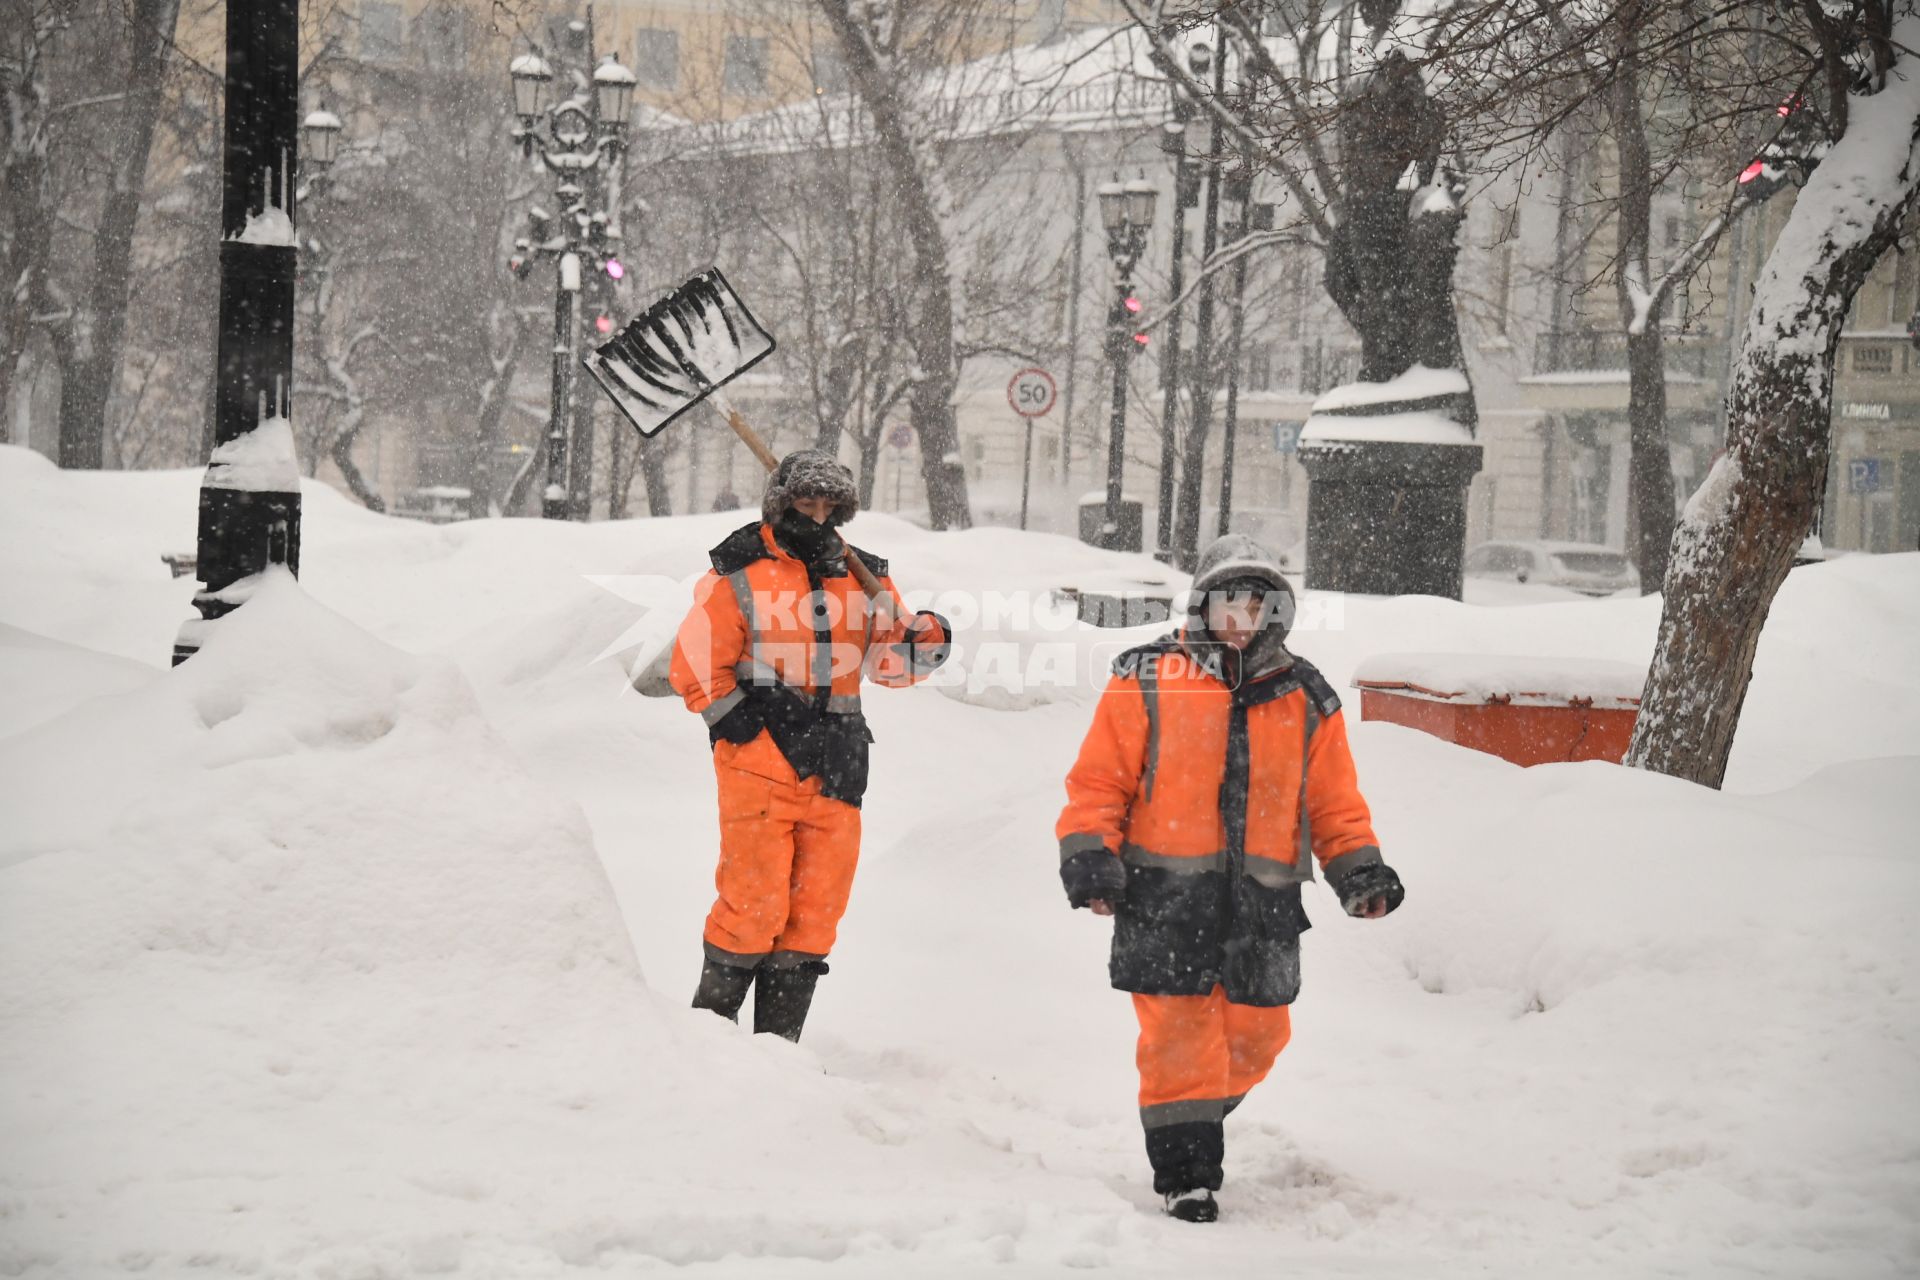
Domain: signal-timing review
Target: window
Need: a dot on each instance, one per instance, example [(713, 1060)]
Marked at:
[(383, 31), (439, 35), (1500, 286), (1259, 372), (829, 72), (745, 72), (1873, 359), (656, 58)]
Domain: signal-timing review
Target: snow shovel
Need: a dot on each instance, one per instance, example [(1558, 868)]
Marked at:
[(682, 350)]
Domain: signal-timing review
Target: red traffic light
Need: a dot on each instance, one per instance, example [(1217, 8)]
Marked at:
[(1140, 338), (1752, 171), (604, 323), (1132, 303), (614, 268)]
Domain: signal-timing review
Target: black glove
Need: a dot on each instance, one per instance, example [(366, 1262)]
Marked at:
[(739, 726), (1363, 884), (1093, 875)]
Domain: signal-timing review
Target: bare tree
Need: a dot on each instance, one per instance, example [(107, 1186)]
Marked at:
[(105, 133), (885, 47)]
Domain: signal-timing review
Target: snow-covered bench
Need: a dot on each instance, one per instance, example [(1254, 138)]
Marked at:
[(1529, 710)]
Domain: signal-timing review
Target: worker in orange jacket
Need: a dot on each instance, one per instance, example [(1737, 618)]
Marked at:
[(1215, 772), (772, 656)]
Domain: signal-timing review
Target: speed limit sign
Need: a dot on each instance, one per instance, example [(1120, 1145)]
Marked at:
[(1032, 393)]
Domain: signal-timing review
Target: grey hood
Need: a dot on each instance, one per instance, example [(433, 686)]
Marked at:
[(1237, 556)]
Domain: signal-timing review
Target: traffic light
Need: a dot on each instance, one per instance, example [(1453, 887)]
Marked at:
[(1134, 308), (1793, 153), (603, 323), (615, 269)]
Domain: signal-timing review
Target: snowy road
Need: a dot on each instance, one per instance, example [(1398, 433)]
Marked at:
[(310, 967)]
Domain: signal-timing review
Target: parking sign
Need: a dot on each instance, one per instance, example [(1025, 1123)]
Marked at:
[(1863, 475), (1286, 437)]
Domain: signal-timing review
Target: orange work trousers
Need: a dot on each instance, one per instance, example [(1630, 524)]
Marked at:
[(787, 857), (1199, 1055)]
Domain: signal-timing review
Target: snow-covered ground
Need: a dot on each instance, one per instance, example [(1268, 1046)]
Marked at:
[(358, 946)]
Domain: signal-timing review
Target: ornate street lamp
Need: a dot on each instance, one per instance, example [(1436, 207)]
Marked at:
[(585, 135), (320, 138), (613, 89), (531, 76)]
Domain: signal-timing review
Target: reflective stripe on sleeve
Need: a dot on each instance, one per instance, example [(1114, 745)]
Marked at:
[(716, 710), (1080, 842), (1346, 864)]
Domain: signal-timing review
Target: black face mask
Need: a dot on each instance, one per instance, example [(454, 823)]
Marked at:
[(813, 543)]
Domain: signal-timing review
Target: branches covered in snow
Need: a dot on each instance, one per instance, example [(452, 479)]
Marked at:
[(1736, 542)]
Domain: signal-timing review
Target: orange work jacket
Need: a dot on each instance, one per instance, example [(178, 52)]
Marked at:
[(1217, 793)]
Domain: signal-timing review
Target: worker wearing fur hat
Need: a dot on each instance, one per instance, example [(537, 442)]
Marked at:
[(772, 657), (1215, 772)]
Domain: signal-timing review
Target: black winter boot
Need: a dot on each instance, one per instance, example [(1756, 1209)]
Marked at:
[(723, 987), (783, 997)]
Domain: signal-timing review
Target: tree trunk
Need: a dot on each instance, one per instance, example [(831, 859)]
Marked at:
[(28, 193), (1737, 537), (930, 331), (869, 466), (653, 473), (1650, 461), (341, 450), (486, 437), (1650, 466), (93, 367), (619, 475)]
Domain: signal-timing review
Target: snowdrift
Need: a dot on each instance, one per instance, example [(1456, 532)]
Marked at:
[(322, 955)]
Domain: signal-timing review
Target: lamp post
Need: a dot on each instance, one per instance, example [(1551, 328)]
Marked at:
[(1126, 213), (1186, 194), (1206, 61), (250, 496), (585, 134)]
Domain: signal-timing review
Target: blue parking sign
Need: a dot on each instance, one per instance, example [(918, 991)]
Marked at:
[(1863, 475), (1286, 436)]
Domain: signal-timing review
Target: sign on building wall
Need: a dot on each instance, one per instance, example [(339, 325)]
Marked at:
[(1863, 475)]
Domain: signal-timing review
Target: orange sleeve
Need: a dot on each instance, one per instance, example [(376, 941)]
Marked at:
[(1337, 813), (711, 640), (894, 658), (1102, 782)]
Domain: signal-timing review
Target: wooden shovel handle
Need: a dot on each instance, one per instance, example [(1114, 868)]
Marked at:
[(882, 598)]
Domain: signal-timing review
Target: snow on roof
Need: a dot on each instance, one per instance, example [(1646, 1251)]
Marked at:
[(1100, 78)]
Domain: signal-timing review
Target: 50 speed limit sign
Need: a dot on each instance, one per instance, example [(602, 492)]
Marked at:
[(1032, 393)]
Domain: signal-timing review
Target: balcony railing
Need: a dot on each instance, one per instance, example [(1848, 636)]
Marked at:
[(1590, 350)]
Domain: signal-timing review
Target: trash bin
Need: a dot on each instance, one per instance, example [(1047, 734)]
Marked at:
[(1527, 710), (1093, 519)]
